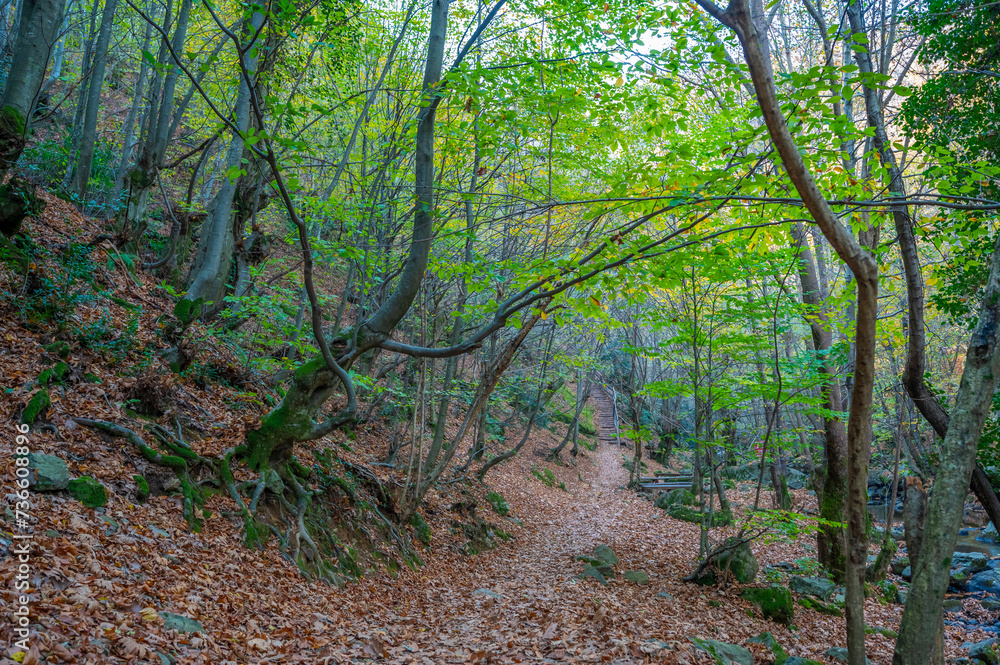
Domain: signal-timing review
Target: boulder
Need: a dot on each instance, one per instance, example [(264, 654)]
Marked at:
[(181, 623), (774, 602), (739, 560), (899, 565), (990, 533), (986, 580), (971, 562), (88, 491), (795, 479), (796, 660), (636, 576), (902, 593), (723, 653), (985, 651), (840, 653), (767, 639), (47, 473), (990, 604), (606, 554), (906, 573), (675, 497), (811, 586), (951, 605), (821, 607)]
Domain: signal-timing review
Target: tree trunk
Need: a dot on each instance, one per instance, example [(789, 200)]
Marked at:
[(830, 545), (154, 146), (923, 611), (37, 35), (737, 16), (214, 257), (88, 139)]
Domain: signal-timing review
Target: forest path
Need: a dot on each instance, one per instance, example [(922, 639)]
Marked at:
[(522, 602)]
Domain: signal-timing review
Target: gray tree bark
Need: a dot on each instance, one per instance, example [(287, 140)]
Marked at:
[(88, 139)]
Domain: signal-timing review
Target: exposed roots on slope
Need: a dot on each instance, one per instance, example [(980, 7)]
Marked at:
[(279, 502)]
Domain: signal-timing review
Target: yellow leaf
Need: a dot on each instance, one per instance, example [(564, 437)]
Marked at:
[(619, 81), (543, 315), (149, 613), (19, 656)]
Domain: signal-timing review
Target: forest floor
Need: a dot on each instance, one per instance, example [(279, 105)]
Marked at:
[(101, 577)]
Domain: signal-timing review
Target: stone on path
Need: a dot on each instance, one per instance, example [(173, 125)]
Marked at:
[(181, 623), (47, 473), (606, 554), (590, 571), (723, 653), (489, 593), (637, 576)]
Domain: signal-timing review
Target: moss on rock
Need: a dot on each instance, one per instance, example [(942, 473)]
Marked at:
[(774, 602), (88, 491), (37, 406)]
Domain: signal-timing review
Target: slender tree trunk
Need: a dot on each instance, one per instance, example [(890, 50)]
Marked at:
[(830, 543), (737, 17), (88, 139), (213, 258)]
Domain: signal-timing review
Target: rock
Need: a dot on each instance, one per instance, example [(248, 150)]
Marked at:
[(985, 651), (898, 534), (88, 491), (606, 554), (739, 560), (767, 639), (47, 473), (963, 532), (796, 660), (590, 571), (987, 580), (906, 573), (899, 565), (990, 604), (960, 661), (821, 607), (181, 623), (812, 586), (951, 605), (840, 653), (724, 653), (653, 646), (971, 562), (675, 497), (637, 576), (489, 593), (664, 594), (990, 533), (774, 602), (795, 479), (901, 595), (607, 571), (52, 533)]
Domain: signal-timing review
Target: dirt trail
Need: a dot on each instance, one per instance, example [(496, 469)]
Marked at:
[(543, 613), (523, 603)]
